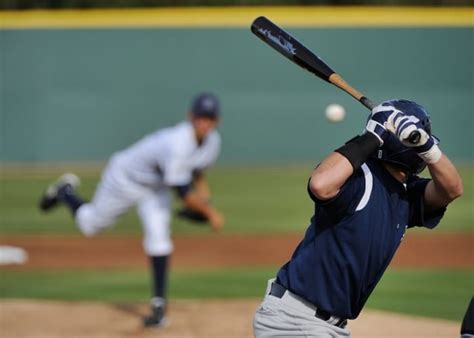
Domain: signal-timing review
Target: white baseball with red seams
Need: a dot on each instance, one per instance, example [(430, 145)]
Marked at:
[(335, 112)]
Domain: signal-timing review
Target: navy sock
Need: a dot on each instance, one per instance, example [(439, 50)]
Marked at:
[(67, 195), (159, 267)]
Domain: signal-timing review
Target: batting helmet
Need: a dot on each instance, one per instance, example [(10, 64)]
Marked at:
[(395, 152)]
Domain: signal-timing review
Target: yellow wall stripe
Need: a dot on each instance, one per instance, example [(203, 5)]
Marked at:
[(241, 17)]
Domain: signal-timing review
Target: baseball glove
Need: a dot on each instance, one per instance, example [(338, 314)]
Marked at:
[(191, 215)]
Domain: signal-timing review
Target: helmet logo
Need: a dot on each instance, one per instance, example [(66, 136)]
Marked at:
[(208, 104)]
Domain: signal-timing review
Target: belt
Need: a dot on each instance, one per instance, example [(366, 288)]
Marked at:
[(279, 291)]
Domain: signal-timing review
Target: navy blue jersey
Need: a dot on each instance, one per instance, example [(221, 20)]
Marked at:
[(353, 237)]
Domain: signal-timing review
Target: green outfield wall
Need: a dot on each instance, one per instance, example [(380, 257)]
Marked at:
[(79, 94)]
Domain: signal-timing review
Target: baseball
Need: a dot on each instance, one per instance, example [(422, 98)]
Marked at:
[(335, 112)]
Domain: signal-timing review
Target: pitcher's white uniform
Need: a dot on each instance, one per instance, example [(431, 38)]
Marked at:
[(142, 175)]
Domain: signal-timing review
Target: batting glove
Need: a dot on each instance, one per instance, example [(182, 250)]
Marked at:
[(402, 126), (377, 121)]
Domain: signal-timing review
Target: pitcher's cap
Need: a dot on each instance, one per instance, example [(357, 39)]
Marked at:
[(205, 105)]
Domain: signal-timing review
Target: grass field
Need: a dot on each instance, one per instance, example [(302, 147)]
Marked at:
[(433, 293), (254, 200)]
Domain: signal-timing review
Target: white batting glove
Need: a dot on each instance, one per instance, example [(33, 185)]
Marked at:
[(427, 148), (378, 120), (402, 126)]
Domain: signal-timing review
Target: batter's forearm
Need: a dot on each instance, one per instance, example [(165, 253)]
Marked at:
[(446, 184)]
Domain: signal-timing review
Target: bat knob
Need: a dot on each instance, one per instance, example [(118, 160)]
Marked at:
[(414, 137)]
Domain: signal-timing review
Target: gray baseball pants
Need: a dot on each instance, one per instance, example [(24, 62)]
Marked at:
[(291, 316)]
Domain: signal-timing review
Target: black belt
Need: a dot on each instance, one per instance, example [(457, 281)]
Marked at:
[(278, 291)]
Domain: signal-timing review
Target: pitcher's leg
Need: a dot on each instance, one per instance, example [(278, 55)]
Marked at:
[(154, 211), (107, 205), (110, 200)]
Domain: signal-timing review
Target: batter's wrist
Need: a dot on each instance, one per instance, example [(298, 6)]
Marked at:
[(358, 149), (431, 156)]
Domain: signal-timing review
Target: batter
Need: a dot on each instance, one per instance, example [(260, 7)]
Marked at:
[(366, 194)]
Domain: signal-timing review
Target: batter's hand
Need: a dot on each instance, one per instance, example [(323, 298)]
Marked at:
[(386, 117), (403, 125), (377, 121)]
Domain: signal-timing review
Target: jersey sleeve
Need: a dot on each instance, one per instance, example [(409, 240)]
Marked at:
[(210, 152), (175, 166), (176, 172), (418, 217), (346, 201)]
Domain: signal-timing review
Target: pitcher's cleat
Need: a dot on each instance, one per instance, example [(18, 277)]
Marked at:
[(50, 197), (157, 317)]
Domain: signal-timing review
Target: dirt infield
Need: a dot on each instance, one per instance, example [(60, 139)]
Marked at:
[(47, 252), (200, 318), (189, 319)]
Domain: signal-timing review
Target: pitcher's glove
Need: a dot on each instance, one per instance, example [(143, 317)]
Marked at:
[(191, 215)]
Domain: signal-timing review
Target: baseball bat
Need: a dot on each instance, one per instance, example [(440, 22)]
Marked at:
[(296, 52)]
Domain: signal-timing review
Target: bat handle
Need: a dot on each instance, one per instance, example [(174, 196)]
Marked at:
[(414, 136), (366, 102), (338, 81)]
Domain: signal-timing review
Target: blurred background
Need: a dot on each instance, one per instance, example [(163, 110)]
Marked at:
[(82, 79), (28, 4)]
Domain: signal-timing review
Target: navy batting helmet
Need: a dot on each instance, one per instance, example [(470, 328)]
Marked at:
[(395, 152)]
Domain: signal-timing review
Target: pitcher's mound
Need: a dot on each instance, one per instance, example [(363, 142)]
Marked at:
[(189, 319)]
